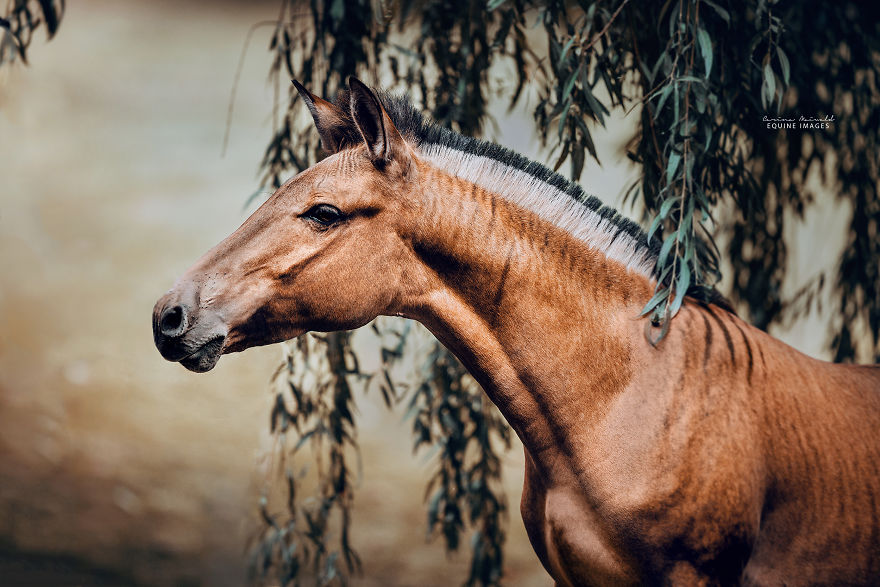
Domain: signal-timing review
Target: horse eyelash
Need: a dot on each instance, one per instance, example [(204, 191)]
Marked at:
[(339, 218)]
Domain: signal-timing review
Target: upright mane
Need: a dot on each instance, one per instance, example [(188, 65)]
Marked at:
[(530, 185)]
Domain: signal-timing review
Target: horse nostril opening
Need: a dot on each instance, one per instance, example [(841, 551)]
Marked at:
[(173, 321)]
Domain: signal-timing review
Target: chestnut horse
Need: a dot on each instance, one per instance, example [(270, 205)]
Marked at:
[(721, 456)]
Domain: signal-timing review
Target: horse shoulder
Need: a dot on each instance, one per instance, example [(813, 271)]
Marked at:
[(575, 546)]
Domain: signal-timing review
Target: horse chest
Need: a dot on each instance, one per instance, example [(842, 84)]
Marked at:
[(572, 541), (634, 526)]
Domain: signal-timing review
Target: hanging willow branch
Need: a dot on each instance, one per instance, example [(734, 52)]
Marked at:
[(313, 404), (684, 205), (453, 414), (22, 18)]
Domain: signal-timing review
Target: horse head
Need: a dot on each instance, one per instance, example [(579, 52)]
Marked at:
[(327, 251)]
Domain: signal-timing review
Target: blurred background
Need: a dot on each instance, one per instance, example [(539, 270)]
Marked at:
[(116, 467)]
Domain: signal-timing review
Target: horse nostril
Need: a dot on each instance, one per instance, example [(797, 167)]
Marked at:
[(173, 321)]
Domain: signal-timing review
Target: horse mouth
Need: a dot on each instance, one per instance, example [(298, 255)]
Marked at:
[(206, 356)]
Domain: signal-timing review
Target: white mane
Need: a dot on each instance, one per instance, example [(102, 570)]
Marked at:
[(545, 200)]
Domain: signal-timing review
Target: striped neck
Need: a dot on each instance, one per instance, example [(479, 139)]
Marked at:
[(583, 217)]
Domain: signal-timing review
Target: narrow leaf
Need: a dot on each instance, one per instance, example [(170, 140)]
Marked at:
[(672, 165), (667, 206), (705, 49), (681, 287), (655, 301), (565, 148), (597, 107), (569, 84), (664, 250), (784, 65), (663, 97), (566, 48), (768, 87), (562, 120), (654, 226), (725, 16)]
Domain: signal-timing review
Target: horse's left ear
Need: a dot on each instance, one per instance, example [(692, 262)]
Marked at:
[(380, 135), (330, 120)]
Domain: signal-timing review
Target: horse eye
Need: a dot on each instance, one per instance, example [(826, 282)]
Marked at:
[(324, 214)]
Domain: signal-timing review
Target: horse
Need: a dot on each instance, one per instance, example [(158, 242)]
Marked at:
[(719, 456)]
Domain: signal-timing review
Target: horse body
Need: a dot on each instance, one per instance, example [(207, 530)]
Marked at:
[(720, 456), (646, 463)]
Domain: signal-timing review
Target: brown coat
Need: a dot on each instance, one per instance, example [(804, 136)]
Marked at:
[(720, 456)]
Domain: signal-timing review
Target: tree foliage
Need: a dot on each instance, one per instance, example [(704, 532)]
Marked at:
[(22, 18), (307, 538), (448, 409), (703, 77)]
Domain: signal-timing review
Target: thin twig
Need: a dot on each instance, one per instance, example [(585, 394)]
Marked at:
[(638, 60), (607, 26), (676, 259), (244, 48)]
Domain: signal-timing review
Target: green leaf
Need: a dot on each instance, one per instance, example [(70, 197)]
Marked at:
[(569, 84), (663, 97), (566, 48), (562, 119), (577, 162), (50, 15), (705, 49), (784, 65), (686, 220), (672, 165), (566, 146), (664, 250), (725, 16), (681, 286), (768, 87), (655, 301), (337, 10), (667, 206), (654, 226), (587, 140), (660, 61), (664, 274), (599, 110), (688, 78), (675, 105)]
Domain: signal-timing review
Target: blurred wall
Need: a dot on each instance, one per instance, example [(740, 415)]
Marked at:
[(111, 184)]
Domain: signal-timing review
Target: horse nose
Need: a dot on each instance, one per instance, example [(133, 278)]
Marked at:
[(173, 321), (175, 314)]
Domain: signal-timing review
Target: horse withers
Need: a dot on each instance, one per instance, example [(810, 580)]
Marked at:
[(720, 456)]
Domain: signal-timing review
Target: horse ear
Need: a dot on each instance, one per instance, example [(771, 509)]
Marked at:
[(330, 120), (380, 135)]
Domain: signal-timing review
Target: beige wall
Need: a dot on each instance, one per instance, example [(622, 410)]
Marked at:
[(112, 184)]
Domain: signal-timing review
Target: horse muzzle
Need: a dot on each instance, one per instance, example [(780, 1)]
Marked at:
[(187, 334)]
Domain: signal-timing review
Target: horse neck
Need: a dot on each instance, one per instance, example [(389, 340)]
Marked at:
[(541, 320)]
